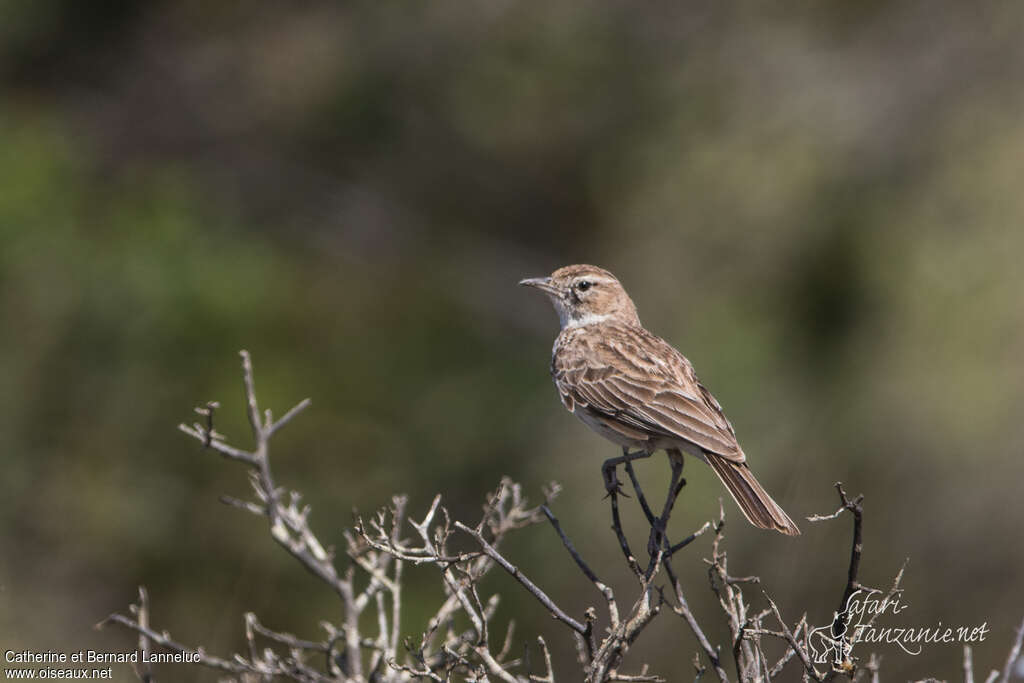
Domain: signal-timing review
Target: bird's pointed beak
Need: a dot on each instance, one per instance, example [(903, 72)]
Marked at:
[(541, 283)]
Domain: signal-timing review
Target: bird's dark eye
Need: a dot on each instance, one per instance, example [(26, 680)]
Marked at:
[(583, 286)]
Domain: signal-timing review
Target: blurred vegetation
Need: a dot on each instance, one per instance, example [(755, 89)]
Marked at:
[(820, 206)]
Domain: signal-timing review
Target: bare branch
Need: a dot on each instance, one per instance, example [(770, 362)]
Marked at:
[(605, 589), (144, 671), (288, 417), (165, 641), (250, 393), (841, 619), (203, 435), (549, 676), (682, 608), (529, 585), (1011, 658), (800, 651), (369, 587)]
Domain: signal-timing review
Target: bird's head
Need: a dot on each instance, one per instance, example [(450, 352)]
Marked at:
[(583, 295)]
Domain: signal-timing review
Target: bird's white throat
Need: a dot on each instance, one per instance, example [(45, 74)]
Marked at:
[(588, 319)]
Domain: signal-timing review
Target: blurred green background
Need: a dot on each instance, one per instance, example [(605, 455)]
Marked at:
[(821, 206)]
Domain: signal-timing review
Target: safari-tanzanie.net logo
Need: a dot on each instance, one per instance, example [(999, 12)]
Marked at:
[(865, 618)]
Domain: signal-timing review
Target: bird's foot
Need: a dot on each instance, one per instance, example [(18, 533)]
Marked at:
[(612, 485)]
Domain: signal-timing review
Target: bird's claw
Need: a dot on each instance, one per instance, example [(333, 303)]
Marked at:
[(612, 485)]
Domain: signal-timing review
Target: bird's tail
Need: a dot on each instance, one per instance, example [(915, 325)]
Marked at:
[(757, 506)]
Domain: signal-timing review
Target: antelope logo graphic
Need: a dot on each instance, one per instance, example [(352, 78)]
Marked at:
[(832, 644)]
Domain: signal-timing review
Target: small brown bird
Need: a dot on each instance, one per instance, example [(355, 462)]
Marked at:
[(635, 390)]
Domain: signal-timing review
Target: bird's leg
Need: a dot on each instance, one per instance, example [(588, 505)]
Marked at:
[(614, 488), (659, 526), (609, 470), (677, 482)]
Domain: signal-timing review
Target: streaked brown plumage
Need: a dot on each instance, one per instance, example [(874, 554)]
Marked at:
[(636, 390)]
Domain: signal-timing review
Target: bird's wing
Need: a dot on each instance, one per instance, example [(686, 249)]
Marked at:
[(628, 376)]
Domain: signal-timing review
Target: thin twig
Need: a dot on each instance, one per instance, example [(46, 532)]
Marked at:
[(1011, 658), (165, 641), (145, 670), (801, 653), (549, 676), (840, 621), (683, 610), (529, 585), (605, 589)]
